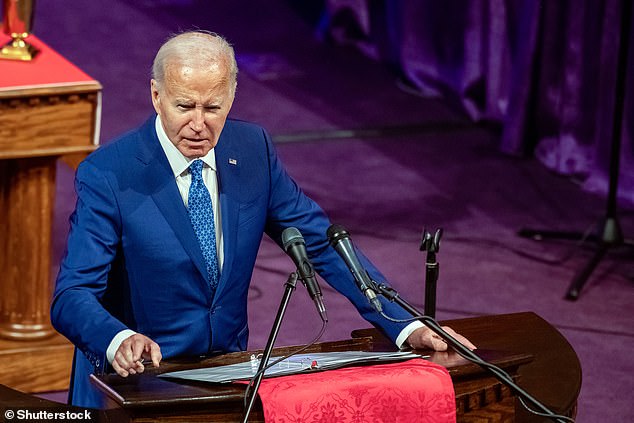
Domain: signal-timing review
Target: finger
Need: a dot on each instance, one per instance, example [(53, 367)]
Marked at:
[(463, 340), (120, 370), (155, 355), (126, 352), (153, 352), (121, 360), (139, 345), (132, 370), (138, 365), (438, 343), (124, 357), (450, 331)]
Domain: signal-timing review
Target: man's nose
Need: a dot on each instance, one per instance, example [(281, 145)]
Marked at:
[(197, 122)]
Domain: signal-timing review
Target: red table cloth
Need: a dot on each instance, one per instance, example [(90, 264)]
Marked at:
[(46, 69), (410, 391)]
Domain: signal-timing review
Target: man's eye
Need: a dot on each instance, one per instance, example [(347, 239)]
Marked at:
[(184, 106)]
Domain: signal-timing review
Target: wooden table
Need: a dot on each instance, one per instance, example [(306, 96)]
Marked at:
[(13, 401), (523, 344), (49, 109)]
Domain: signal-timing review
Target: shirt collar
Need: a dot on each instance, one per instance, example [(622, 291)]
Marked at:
[(177, 161)]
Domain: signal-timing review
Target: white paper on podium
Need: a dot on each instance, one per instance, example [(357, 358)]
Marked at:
[(299, 363)]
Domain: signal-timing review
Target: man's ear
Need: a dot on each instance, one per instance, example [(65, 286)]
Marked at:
[(155, 93)]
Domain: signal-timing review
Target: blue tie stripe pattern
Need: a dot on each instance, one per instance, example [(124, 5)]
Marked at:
[(201, 214)]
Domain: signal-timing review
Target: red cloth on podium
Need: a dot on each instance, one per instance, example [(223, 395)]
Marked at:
[(47, 68), (410, 391)]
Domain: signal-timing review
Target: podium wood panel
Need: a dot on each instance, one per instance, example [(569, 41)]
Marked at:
[(36, 366), (49, 109), (14, 400), (51, 125), (26, 212)]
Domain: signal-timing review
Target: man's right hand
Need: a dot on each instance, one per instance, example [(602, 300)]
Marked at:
[(131, 352)]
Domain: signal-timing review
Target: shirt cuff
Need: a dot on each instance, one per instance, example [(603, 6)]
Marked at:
[(116, 343), (407, 331)]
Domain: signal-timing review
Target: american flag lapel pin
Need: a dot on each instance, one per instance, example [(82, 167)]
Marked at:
[(233, 162)]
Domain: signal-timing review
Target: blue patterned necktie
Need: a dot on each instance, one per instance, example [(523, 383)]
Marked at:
[(201, 214)]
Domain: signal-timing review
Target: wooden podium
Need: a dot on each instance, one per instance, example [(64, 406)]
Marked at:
[(523, 344), (49, 109)]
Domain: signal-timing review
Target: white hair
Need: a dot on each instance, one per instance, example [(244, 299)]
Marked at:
[(195, 48)]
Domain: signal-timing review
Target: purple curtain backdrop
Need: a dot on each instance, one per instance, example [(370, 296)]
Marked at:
[(544, 70)]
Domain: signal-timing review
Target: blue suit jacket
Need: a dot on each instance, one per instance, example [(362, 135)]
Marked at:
[(133, 260)]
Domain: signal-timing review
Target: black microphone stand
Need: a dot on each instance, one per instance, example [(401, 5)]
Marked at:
[(609, 234), (391, 294), (431, 245), (290, 287)]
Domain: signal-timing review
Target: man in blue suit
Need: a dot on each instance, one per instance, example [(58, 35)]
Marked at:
[(138, 280)]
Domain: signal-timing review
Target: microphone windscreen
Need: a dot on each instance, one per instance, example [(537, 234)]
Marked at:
[(291, 236), (335, 233)]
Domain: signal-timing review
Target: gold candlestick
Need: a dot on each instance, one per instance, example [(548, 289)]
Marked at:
[(17, 23)]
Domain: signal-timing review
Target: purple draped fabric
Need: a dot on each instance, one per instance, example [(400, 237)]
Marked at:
[(545, 70)]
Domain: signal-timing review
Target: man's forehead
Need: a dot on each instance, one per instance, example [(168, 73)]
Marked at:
[(188, 66), (214, 91)]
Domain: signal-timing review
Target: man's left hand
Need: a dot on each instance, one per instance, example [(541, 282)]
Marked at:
[(425, 338)]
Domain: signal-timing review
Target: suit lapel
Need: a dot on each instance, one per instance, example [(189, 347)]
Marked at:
[(160, 179), (228, 167)]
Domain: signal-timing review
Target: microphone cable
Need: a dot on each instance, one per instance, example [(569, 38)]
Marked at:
[(502, 375)]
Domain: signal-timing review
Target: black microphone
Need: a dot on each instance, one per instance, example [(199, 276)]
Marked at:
[(340, 240), (295, 247)]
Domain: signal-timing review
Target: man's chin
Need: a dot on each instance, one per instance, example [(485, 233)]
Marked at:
[(194, 152)]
